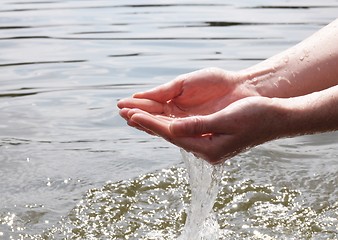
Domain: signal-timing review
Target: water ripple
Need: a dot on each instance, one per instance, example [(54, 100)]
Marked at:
[(64, 64), (153, 206), (41, 62)]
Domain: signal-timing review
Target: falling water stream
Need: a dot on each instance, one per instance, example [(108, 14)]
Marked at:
[(204, 180)]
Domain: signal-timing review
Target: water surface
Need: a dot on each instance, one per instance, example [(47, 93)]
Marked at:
[(71, 168)]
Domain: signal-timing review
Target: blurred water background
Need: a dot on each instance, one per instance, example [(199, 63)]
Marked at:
[(72, 169)]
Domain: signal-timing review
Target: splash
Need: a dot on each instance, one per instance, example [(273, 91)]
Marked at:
[(154, 206), (204, 180)]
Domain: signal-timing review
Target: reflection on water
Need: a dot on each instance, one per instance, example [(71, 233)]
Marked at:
[(64, 64)]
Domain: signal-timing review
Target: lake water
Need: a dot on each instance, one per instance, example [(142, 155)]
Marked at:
[(71, 168)]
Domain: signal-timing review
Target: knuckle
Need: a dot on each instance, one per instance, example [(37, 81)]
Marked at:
[(198, 125)]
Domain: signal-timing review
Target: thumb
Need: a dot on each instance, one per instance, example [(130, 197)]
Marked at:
[(162, 93), (190, 126)]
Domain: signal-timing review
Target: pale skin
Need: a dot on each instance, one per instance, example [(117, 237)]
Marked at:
[(217, 114)]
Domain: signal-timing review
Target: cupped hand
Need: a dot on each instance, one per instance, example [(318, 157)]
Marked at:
[(221, 134), (198, 93)]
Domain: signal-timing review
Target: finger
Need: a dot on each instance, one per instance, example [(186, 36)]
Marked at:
[(138, 127), (192, 126), (160, 127), (162, 119), (164, 92), (144, 104), (155, 124), (209, 146), (124, 113), (133, 111)]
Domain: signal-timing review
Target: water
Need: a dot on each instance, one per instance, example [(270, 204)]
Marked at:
[(204, 180), (71, 168)]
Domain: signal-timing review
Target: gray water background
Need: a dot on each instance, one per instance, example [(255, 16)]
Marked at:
[(71, 168)]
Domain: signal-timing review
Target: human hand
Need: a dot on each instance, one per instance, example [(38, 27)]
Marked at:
[(198, 93), (219, 135), (216, 113)]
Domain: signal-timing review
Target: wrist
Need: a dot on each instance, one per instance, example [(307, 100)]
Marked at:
[(260, 81), (311, 113), (273, 78), (290, 117), (293, 115)]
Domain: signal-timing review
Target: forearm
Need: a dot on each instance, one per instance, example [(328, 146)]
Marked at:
[(311, 65), (312, 113)]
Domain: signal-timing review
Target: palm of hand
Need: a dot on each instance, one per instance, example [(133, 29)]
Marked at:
[(200, 93), (198, 100)]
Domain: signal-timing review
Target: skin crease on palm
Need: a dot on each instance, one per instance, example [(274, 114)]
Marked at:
[(217, 114)]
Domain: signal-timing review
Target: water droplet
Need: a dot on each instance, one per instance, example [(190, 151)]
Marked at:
[(301, 58), (286, 59), (48, 182)]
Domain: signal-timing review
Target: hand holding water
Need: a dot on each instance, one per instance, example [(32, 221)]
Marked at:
[(198, 93), (218, 135), (202, 93), (216, 114)]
